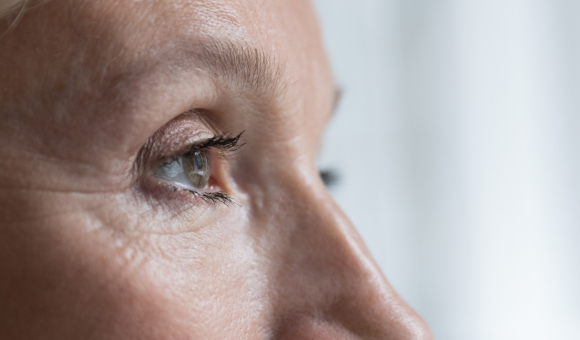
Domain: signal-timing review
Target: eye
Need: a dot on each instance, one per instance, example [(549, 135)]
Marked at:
[(191, 170), (330, 177)]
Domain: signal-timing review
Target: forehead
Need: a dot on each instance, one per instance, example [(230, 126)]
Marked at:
[(127, 63), (128, 32)]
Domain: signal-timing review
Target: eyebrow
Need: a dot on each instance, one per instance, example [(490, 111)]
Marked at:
[(252, 66), (238, 63)]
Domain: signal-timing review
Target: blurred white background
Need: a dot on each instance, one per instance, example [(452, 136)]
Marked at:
[(458, 141)]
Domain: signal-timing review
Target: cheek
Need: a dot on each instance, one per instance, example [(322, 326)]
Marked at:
[(206, 280), (77, 282), (70, 287), (214, 278)]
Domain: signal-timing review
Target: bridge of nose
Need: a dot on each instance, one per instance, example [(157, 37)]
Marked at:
[(324, 280)]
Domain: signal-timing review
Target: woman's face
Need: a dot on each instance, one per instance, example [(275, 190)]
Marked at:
[(128, 208)]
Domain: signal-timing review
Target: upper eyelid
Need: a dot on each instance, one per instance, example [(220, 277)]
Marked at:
[(223, 142), (155, 151), (226, 144)]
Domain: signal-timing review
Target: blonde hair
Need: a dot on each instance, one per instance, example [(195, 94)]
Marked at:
[(8, 5)]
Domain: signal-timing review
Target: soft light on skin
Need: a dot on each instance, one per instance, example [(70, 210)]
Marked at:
[(94, 247)]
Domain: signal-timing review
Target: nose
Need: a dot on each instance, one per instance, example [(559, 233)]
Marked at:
[(327, 284)]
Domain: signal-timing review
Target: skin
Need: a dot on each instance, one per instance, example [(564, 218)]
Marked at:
[(92, 246)]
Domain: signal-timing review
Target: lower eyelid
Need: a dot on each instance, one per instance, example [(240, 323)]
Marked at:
[(174, 194)]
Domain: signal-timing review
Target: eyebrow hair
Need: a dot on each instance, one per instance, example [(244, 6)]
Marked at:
[(249, 66), (239, 63)]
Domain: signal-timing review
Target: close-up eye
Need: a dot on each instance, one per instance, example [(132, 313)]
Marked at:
[(191, 170), (194, 172)]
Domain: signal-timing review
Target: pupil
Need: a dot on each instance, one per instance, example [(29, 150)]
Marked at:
[(198, 161), (197, 168)]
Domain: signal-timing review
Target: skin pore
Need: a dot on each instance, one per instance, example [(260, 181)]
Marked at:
[(96, 95)]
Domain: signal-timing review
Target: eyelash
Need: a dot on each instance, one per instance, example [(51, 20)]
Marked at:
[(209, 197), (226, 144)]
